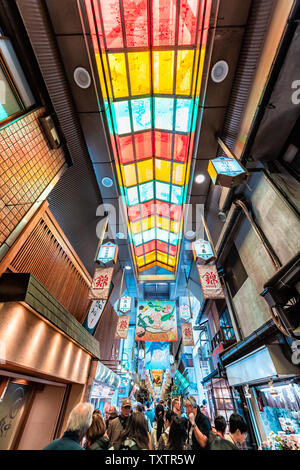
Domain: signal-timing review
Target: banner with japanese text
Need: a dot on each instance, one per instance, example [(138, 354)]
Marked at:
[(122, 327), (187, 334), (210, 282), (101, 284), (93, 316)]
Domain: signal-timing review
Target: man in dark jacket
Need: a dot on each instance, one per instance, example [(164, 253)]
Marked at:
[(199, 425), (117, 426), (79, 421)]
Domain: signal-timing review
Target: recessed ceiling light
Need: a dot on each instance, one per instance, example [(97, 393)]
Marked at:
[(219, 71), (107, 182), (82, 77), (190, 234), (128, 268), (200, 178), (120, 235)]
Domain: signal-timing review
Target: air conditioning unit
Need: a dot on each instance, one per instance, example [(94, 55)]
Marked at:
[(50, 131)]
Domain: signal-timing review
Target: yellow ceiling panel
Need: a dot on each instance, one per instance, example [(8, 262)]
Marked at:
[(162, 170), (129, 175), (145, 170)]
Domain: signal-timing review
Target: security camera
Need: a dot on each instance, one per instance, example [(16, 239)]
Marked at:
[(222, 215)]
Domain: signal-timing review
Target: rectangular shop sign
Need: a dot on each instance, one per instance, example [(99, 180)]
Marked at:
[(125, 304), (156, 321), (227, 172), (215, 355), (203, 251), (122, 327), (100, 288), (184, 312), (210, 282), (92, 318), (107, 253), (187, 334), (157, 355)]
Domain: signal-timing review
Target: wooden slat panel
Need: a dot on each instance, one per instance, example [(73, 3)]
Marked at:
[(44, 251)]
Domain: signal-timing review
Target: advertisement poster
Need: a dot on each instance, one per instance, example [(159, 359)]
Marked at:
[(122, 327), (100, 288), (210, 282), (156, 321), (157, 355), (187, 334), (157, 377), (93, 316)]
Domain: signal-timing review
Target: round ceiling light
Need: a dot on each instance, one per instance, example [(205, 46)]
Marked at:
[(107, 182), (82, 77), (219, 71), (128, 268), (120, 235), (200, 178), (190, 234)]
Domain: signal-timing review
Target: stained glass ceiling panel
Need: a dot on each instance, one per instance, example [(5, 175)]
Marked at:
[(150, 56)]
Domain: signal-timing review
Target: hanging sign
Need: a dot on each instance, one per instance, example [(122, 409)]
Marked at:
[(157, 377), (122, 327), (101, 284), (107, 253), (157, 355), (156, 321), (227, 172), (203, 251), (93, 316), (187, 334), (210, 282), (125, 304), (184, 312)]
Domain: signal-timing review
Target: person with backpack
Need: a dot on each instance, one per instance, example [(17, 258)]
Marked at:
[(158, 425), (163, 440), (96, 437), (135, 436)]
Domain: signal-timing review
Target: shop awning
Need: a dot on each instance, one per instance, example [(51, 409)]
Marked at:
[(260, 365)]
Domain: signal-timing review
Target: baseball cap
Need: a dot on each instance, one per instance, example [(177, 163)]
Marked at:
[(126, 402)]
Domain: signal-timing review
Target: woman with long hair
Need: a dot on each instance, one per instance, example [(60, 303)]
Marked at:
[(158, 425), (135, 436), (162, 442), (96, 437), (178, 434)]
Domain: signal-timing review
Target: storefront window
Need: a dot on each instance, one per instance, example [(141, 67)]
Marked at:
[(279, 409), (9, 105), (12, 407)]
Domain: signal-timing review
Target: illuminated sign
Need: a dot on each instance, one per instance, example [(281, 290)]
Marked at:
[(227, 172), (125, 304), (107, 253), (203, 251)]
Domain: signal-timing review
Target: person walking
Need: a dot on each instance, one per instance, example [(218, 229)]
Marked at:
[(178, 434), (139, 407), (96, 436), (117, 425), (163, 440), (79, 421), (135, 436), (150, 413), (199, 425), (158, 425)]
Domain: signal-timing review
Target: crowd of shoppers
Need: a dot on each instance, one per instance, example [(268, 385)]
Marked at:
[(138, 429)]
